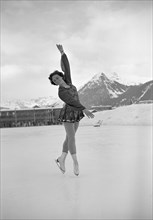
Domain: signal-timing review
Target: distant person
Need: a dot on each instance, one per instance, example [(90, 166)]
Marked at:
[(72, 112)]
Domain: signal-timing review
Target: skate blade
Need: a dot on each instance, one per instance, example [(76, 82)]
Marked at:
[(56, 161)]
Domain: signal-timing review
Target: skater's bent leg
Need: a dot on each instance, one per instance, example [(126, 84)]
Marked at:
[(63, 156), (70, 131), (69, 143), (65, 145)]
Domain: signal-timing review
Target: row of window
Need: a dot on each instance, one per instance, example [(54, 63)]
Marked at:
[(28, 112), (29, 117)]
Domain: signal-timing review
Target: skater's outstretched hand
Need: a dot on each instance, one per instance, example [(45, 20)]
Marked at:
[(60, 48), (88, 113)]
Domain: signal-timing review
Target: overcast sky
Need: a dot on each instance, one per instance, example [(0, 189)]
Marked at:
[(98, 36)]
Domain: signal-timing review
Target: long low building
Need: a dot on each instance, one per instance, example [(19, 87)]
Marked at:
[(29, 117), (101, 108)]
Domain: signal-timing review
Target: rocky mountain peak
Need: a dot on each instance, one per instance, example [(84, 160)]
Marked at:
[(100, 89), (108, 90)]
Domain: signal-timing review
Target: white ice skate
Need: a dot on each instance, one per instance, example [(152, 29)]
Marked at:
[(58, 164)]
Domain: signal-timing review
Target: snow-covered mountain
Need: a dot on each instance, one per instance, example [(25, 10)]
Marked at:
[(135, 94), (33, 103), (101, 90)]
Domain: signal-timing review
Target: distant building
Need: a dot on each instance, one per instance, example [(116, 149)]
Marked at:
[(145, 102), (29, 117), (101, 108)]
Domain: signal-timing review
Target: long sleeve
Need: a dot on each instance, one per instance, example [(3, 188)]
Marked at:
[(68, 99), (65, 66)]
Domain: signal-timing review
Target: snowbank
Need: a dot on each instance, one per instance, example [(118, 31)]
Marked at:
[(136, 114)]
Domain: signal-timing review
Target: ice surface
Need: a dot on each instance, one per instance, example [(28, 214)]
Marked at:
[(114, 180)]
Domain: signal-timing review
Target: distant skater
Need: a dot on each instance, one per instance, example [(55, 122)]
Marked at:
[(72, 112)]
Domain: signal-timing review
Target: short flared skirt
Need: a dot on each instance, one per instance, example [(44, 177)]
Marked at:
[(69, 114)]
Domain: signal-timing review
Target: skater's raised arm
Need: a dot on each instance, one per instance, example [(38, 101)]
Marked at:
[(65, 66)]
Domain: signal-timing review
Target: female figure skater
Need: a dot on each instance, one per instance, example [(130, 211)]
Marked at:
[(72, 112)]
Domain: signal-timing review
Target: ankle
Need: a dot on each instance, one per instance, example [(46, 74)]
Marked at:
[(74, 157), (75, 162), (76, 168), (63, 156)]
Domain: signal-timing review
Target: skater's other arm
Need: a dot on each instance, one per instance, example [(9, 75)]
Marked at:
[(65, 66), (88, 113)]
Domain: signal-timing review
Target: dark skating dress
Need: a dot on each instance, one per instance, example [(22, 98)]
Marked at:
[(73, 109)]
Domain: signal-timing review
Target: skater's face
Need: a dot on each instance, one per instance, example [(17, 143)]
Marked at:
[(58, 80)]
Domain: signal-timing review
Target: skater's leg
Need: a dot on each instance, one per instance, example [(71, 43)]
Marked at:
[(74, 156), (71, 129), (65, 145), (70, 132), (62, 158), (76, 125), (75, 164)]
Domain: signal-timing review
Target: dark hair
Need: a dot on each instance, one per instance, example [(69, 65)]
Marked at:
[(56, 72)]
